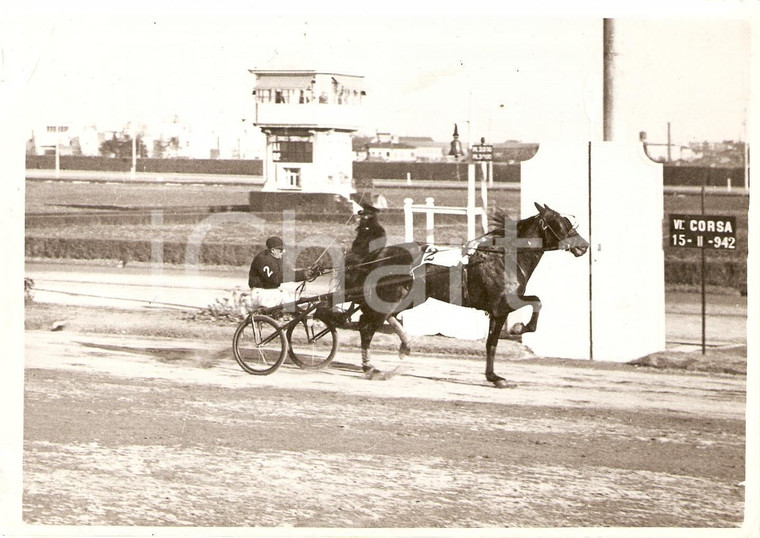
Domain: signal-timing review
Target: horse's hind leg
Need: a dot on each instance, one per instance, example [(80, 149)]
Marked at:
[(494, 330), (405, 349)]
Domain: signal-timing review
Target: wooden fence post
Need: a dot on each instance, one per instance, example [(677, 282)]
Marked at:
[(408, 221), (430, 220), (470, 202)]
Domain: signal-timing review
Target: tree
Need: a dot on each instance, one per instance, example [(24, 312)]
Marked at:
[(120, 147), (31, 146), (165, 148), (76, 146)]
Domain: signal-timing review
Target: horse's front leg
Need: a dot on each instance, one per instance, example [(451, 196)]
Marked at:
[(535, 304), (495, 324)]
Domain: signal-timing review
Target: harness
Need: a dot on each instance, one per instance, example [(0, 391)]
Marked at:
[(468, 250)]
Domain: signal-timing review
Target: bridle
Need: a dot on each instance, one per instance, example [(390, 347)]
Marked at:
[(546, 225), (543, 223)]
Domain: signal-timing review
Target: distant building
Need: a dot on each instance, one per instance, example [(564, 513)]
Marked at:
[(163, 140), (425, 148), (46, 138), (90, 140), (359, 145), (514, 151), (387, 147), (390, 151)]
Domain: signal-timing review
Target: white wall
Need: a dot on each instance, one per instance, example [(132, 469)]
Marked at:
[(333, 163), (557, 176), (608, 304), (628, 272)]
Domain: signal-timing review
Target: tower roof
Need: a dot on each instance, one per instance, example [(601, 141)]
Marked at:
[(302, 78)]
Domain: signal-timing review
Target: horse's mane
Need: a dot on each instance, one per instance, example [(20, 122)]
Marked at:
[(498, 221)]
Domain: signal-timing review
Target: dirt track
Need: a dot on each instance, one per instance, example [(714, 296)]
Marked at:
[(160, 432)]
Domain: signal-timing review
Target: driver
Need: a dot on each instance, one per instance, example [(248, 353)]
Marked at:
[(267, 274)]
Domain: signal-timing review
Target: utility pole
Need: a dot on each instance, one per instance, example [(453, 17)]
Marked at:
[(669, 156), (746, 158), (608, 31), (134, 155), (57, 152)]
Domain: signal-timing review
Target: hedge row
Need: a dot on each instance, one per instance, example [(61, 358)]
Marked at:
[(234, 167), (443, 171), (363, 171), (696, 176), (730, 274), (141, 251), (722, 273)]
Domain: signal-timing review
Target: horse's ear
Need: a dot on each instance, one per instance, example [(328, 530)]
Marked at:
[(541, 210)]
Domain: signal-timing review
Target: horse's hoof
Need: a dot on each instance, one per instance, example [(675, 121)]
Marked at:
[(404, 351), (370, 372), (517, 329), (504, 384), (391, 373)]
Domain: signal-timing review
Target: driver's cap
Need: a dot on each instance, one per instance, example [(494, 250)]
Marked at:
[(274, 242)]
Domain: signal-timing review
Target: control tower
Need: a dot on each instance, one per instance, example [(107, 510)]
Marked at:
[(308, 118)]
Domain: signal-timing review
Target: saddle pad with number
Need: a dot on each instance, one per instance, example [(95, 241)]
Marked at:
[(444, 256)]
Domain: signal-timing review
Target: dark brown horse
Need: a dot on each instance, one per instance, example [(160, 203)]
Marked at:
[(499, 265)]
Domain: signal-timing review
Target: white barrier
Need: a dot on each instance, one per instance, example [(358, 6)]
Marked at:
[(610, 303)]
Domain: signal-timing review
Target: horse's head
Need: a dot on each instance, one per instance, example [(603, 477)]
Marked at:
[(559, 232)]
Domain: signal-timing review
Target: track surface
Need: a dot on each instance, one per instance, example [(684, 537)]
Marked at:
[(160, 432)]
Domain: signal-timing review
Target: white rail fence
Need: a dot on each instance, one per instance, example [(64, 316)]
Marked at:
[(471, 211)]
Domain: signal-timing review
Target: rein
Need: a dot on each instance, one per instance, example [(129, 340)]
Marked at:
[(334, 240), (500, 250)]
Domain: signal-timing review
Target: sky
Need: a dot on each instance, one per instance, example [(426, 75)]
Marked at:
[(499, 74)]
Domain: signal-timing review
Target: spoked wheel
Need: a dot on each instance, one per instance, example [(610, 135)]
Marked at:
[(259, 345), (312, 343)]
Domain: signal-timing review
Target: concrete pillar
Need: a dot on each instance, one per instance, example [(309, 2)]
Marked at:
[(610, 303)]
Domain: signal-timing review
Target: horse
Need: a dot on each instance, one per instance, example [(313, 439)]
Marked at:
[(499, 265)]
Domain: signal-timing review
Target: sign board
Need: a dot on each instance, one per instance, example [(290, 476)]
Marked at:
[(482, 152), (703, 231)]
